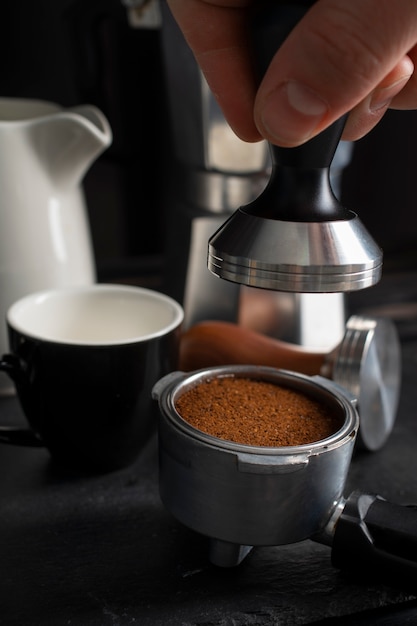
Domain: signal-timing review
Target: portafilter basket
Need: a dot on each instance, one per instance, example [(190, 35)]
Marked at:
[(240, 496)]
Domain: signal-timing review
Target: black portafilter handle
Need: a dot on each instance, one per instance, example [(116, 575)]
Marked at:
[(299, 188), (375, 537)]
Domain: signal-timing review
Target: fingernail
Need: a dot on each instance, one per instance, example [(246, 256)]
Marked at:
[(381, 98), (292, 113)]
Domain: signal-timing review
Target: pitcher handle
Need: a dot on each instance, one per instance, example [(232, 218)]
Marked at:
[(11, 366)]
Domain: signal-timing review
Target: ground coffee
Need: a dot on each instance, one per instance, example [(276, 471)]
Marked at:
[(255, 412)]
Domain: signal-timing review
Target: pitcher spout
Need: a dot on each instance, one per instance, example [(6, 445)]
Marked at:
[(68, 142)]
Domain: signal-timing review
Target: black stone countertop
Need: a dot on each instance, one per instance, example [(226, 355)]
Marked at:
[(81, 551)]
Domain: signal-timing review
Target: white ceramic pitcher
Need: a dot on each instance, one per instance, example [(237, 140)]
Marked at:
[(45, 242)]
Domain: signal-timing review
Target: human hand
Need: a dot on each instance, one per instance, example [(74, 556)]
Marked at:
[(353, 57)]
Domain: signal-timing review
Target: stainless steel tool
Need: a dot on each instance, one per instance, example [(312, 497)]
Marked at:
[(296, 236), (240, 496), (368, 364)]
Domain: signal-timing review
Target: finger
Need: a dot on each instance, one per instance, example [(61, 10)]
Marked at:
[(369, 112), (331, 62), (218, 36), (406, 99)]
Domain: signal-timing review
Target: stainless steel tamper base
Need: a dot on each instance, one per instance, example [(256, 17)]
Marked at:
[(368, 365), (322, 256)]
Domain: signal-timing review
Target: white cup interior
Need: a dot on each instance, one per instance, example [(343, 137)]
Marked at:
[(99, 314)]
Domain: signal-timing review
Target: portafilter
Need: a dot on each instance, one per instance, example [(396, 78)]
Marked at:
[(240, 496)]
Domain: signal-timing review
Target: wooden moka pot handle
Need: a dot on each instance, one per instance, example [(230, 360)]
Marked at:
[(208, 344)]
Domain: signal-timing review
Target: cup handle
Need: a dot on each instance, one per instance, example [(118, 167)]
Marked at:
[(11, 366)]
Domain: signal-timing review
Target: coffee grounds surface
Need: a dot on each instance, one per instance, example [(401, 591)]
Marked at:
[(256, 413)]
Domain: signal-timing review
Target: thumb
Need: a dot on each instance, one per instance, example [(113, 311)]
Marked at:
[(331, 61)]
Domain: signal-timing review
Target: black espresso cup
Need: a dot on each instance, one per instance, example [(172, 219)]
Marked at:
[(84, 361)]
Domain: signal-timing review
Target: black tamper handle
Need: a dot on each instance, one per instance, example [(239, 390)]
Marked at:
[(299, 188), (374, 536)]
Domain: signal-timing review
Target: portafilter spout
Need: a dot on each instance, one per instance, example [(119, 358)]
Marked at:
[(296, 236)]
